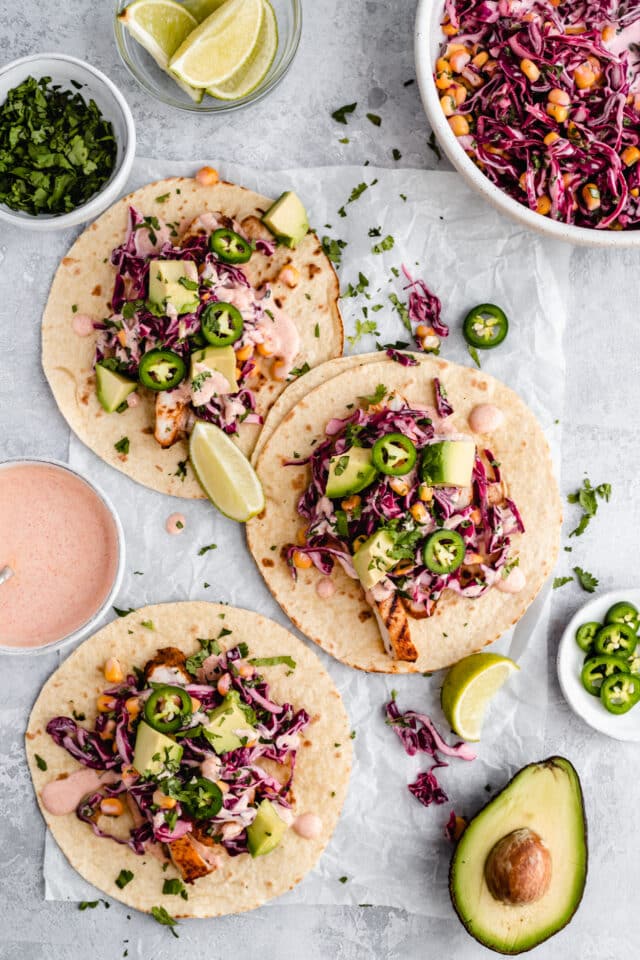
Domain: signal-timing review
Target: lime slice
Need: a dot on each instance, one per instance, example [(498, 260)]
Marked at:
[(160, 26), (468, 688), (224, 473), (248, 77), (201, 9), (219, 46)]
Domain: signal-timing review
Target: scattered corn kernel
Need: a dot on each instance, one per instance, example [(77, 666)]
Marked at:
[(289, 275), (459, 125), (113, 671), (422, 330), (543, 206), (195, 704), (245, 353), (480, 59), (551, 138), (635, 191), (224, 787), (425, 493), (108, 730), (561, 97), (448, 104), (246, 671), (238, 373), (162, 800), (399, 486), (419, 512), (608, 33), (351, 503), (530, 70), (591, 196), (207, 176), (223, 685), (402, 568), (264, 350), (279, 370), (430, 344), (133, 706), (301, 560), (449, 30), (584, 76), (630, 155), (442, 64), (105, 703), (111, 807), (459, 93), (558, 112), (122, 337), (444, 79)]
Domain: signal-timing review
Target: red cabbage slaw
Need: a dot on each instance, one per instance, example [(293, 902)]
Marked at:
[(137, 326), (545, 99), (485, 518), (110, 746), (424, 309)]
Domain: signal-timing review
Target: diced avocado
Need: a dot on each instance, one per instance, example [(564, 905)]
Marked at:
[(153, 749), (373, 559), (448, 463), (519, 869), (219, 359), (287, 219), (266, 831), (229, 725), (112, 388), (351, 472), (171, 283)]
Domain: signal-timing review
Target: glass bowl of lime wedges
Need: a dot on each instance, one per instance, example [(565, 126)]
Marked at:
[(208, 56)]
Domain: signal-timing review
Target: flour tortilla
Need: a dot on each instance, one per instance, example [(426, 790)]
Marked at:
[(344, 625), (321, 774), (85, 280)]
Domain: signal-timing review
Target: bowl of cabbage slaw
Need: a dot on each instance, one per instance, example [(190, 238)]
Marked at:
[(537, 105)]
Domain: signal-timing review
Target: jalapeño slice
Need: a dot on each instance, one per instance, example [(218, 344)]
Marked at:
[(168, 708), (616, 639), (161, 370), (485, 326), (620, 692), (394, 455), (230, 246), (623, 612), (202, 800), (586, 634), (221, 324), (444, 551), (597, 669)]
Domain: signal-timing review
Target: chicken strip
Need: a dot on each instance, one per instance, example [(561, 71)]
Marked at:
[(172, 415), (188, 859), (168, 666), (393, 622)]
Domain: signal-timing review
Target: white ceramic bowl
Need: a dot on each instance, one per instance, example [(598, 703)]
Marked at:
[(570, 662), (95, 86), (427, 39), (92, 622)]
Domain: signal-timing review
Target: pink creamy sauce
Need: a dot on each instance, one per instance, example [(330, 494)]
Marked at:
[(514, 583), (63, 796), (325, 588), (82, 324), (485, 418), (62, 544), (175, 523), (623, 41), (281, 335), (308, 826)]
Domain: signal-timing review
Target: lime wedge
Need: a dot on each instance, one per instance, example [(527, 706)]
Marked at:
[(219, 46), (468, 688), (224, 473), (201, 9), (160, 26), (248, 77)]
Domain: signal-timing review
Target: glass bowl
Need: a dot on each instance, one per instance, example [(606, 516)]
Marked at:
[(159, 84)]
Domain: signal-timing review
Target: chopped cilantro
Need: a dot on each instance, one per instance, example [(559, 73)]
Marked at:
[(316, 330), (587, 497), (123, 878), (182, 469), (274, 661), (340, 115), (163, 197), (473, 353), (360, 287), (209, 546), (363, 328), (432, 143), (333, 249), (401, 310), (148, 624), (88, 904), (378, 395), (357, 191), (122, 446), (586, 580), (344, 140), (123, 613), (560, 581), (42, 764), (300, 371), (343, 879), (374, 119), (161, 915), (385, 244), (395, 153), (175, 887)]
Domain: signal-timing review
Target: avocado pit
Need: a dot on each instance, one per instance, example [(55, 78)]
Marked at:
[(518, 868)]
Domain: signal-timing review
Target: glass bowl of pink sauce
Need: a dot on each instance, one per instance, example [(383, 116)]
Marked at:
[(62, 555)]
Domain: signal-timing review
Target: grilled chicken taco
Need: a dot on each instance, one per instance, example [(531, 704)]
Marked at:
[(179, 304), (202, 775), (411, 512)]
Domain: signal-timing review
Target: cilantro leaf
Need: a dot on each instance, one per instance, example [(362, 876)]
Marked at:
[(374, 119), (123, 878), (122, 446), (586, 580), (273, 661), (379, 394), (209, 546), (340, 115), (363, 329), (385, 244), (42, 764), (560, 581), (164, 918)]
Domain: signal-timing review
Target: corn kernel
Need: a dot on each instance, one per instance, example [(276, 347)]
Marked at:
[(608, 33), (264, 350), (635, 191), (399, 486), (444, 79), (448, 104), (121, 336), (223, 685), (442, 64), (480, 59), (551, 138), (455, 48), (223, 785), (105, 703), (133, 706), (630, 155), (449, 30), (113, 671), (301, 560), (422, 330), (591, 196), (279, 370), (245, 353), (238, 373), (584, 76), (419, 512), (543, 206), (111, 807), (246, 671), (522, 180), (402, 568), (425, 493), (162, 800), (459, 125), (561, 97), (195, 704), (559, 113), (530, 70), (207, 177), (351, 503), (459, 93), (289, 275)]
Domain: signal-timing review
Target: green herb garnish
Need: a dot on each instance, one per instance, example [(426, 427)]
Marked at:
[(363, 329), (378, 395), (42, 764), (385, 244), (123, 878), (560, 581), (273, 661), (123, 613), (587, 497), (164, 918), (340, 115), (374, 119), (586, 580), (175, 888), (122, 446), (473, 353), (209, 546)]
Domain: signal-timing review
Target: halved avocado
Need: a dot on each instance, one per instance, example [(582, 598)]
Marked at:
[(543, 800)]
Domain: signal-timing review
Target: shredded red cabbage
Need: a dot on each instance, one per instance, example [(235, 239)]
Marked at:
[(424, 309)]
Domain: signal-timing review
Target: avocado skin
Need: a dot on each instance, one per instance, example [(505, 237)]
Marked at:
[(567, 766)]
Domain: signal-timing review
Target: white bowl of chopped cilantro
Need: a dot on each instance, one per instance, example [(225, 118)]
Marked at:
[(67, 142), (539, 110)]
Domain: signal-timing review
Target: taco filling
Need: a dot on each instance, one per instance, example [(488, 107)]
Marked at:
[(410, 508), (188, 326), (189, 760)]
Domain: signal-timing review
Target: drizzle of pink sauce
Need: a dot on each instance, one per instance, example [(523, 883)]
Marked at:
[(82, 324), (133, 400), (514, 583), (172, 524), (63, 796), (282, 336), (62, 544), (308, 826), (485, 418), (325, 588)]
